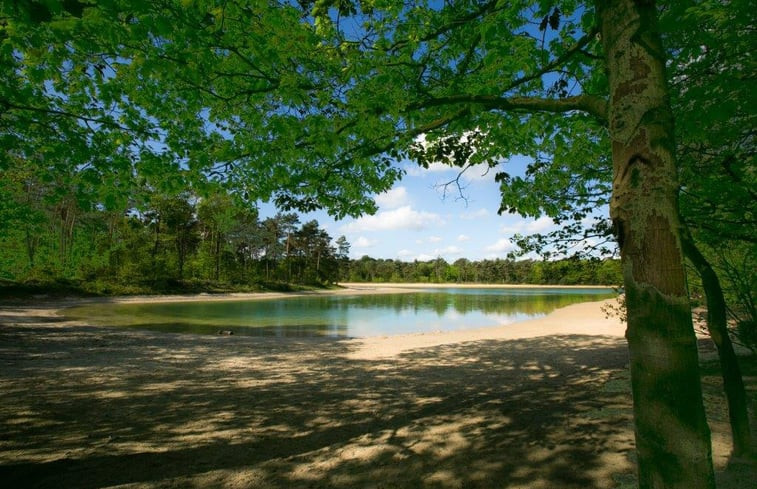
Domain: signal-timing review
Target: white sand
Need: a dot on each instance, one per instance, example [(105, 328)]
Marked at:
[(538, 404), (586, 318)]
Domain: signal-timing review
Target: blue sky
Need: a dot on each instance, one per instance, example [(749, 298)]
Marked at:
[(415, 221)]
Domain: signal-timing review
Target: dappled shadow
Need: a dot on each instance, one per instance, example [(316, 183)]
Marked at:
[(739, 472), (92, 407), (6, 317)]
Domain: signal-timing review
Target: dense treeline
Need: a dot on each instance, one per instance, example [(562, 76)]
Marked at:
[(184, 240), (309, 112), (572, 271), (169, 242), (54, 234)]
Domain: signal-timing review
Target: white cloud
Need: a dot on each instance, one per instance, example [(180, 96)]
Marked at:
[(418, 171), (529, 226), (394, 198), (404, 217), (363, 242), (479, 173), (540, 225), (469, 216), (446, 252), (451, 250), (503, 245), (463, 238), (434, 239)]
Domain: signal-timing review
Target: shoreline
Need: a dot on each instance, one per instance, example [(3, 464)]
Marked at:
[(345, 288), (584, 318), (421, 285), (581, 319), (590, 315), (133, 408)]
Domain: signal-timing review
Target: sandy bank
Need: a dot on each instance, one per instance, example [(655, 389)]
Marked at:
[(586, 318), (419, 285), (533, 405)]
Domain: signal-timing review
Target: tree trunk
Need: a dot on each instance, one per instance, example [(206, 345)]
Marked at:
[(155, 248), (717, 327), (31, 245), (672, 436), (180, 258), (218, 256)]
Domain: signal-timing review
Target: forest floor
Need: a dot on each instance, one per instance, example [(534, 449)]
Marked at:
[(540, 404)]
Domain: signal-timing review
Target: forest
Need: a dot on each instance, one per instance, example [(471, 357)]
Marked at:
[(178, 243), (139, 137), (186, 243)]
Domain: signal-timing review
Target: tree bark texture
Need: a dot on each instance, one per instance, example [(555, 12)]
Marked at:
[(672, 436), (717, 327)]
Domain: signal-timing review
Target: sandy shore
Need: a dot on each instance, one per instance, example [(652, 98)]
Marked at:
[(539, 404), (585, 319), (419, 285)]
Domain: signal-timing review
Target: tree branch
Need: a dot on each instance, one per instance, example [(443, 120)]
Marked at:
[(369, 148), (484, 9), (576, 48), (590, 104), (61, 113)]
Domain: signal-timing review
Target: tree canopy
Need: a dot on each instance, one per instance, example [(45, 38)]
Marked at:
[(308, 103)]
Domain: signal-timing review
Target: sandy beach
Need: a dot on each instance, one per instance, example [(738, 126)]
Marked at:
[(539, 404)]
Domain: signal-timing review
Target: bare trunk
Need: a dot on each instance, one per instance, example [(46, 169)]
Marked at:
[(31, 245), (180, 258), (288, 259), (218, 256), (672, 436), (67, 214), (717, 327), (156, 247)]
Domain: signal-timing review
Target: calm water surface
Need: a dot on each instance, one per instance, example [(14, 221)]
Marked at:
[(444, 309)]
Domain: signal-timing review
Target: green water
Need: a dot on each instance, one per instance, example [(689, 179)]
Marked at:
[(343, 316)]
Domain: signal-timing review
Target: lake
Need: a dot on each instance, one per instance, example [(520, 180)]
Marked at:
[(407, 311)]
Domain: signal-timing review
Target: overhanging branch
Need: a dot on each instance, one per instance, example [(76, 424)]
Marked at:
[(590, 104), (578, 47), (8, 105)]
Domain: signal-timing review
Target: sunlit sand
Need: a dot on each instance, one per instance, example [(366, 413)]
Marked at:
[(539, 404)]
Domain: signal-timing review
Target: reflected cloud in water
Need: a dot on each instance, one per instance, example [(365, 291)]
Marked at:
[(342, 316)]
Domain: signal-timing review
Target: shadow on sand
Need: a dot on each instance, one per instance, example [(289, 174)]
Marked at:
[(90, 407)]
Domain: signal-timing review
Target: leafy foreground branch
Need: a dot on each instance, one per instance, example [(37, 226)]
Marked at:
[(308, 104)]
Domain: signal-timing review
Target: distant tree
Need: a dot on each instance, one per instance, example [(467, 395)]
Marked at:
[(307, 103), (609, 272), (176, 215), (216, 215), (342, 256), (246, 240), (22, 218), (312, 245)]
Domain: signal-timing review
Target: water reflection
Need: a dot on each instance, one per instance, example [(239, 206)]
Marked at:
[(343, 316)]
